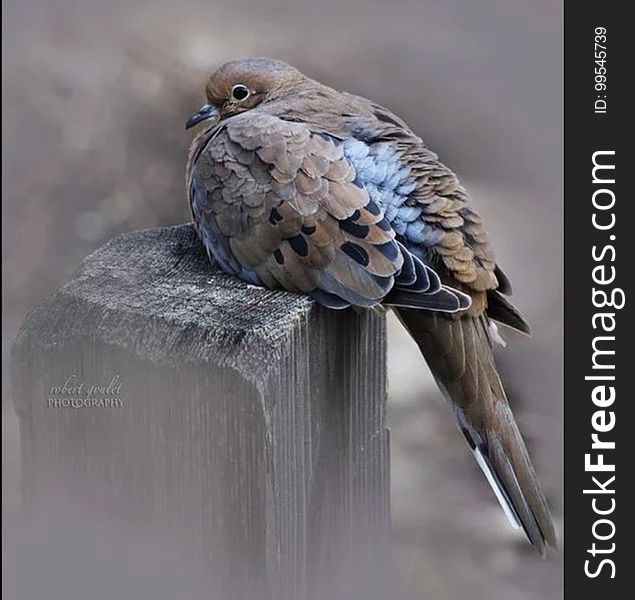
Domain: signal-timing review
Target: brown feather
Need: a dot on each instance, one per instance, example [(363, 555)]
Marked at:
[(460, 356)]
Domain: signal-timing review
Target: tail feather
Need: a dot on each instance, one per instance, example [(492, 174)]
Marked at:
[(459, 353), (501, 310), (480, 454)]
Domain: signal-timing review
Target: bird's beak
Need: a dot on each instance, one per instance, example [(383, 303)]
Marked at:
[(205, 113)]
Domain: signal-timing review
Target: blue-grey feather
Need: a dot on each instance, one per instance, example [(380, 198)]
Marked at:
[(329, 300), (389, 185), (409, 214), (329, 284), (390, 250), (216, 244), (407, 276)]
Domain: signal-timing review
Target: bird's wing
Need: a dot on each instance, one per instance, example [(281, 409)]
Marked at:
[(282, 205), (428, 208), (459, 241)]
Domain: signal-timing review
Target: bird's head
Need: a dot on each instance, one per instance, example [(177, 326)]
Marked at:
[(241, 85)]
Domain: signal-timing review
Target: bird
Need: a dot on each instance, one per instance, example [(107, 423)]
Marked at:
[(295, 185)]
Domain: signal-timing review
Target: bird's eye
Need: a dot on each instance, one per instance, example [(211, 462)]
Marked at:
[(239, 92)]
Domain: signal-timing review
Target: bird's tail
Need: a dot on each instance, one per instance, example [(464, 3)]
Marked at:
[(459, 353)]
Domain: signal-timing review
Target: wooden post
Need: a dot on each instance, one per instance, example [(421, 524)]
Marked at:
[(247, 424)]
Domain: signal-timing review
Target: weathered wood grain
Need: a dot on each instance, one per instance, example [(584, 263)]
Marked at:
[(250, 428)]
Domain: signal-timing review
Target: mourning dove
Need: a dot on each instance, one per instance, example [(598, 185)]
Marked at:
[(295, 185)]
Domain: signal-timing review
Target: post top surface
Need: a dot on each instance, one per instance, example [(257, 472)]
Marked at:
[(155, 292)]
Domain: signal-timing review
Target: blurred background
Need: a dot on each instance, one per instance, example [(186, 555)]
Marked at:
[(95, 98)]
